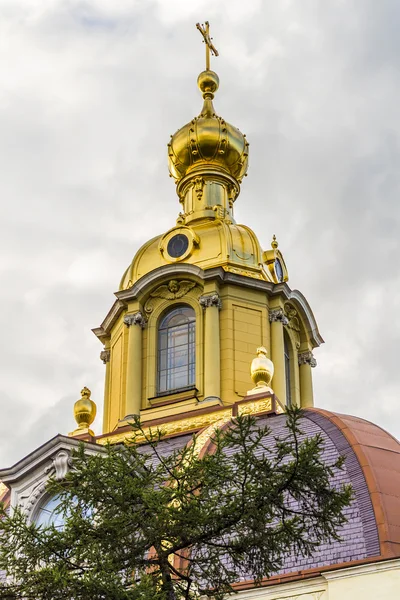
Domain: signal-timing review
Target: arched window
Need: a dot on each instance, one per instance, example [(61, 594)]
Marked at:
[(47, 513), (287, 370), (176, 350)]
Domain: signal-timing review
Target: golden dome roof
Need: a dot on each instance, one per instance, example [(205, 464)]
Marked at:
[(208, 141)]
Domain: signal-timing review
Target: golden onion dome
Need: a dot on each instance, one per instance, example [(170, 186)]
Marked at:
[(208, 141)]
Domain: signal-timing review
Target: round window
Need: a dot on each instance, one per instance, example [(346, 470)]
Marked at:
[(177, 245)]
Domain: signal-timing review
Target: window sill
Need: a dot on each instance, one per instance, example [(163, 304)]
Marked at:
[(172, 396)]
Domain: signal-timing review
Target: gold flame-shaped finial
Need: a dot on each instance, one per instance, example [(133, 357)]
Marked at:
[(262, 371), (84, 413), (274, 243)]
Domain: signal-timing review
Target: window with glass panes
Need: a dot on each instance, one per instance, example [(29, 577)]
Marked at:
[(176, 350), (48, 515)]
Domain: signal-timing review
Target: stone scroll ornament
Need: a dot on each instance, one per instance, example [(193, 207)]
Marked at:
[(307, 358), (173, 290), (210, 300)]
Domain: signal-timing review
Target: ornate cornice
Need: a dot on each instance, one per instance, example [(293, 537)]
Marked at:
[(307, 358), (105, 356), (210, 300), (136, 318), (277, 315), (218, 274)]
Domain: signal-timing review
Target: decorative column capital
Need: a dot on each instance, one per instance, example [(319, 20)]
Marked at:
[(105, 356), (136, 318), (277, 315), (210, 300), (307, 358)]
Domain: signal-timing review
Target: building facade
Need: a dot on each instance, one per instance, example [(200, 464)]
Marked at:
[(197, 306)]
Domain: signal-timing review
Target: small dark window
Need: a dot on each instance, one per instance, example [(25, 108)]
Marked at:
[(287, 371), (177, 245), (176, 350)]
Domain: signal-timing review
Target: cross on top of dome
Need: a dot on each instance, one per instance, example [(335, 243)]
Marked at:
[(210, 48)]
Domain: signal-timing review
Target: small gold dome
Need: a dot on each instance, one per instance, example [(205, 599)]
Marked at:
[(208, 141)]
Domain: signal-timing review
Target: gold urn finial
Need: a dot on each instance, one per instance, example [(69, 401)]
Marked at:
[(274, 243), (84, 413), (262, 371)]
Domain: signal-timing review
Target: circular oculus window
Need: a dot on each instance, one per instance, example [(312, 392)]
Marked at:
[(177, 245)]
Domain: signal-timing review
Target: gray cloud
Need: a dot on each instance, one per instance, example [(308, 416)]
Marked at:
[(90, 92)]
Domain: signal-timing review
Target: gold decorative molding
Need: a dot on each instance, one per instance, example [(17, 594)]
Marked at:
[(198, 187), (181, 426), (173, 290), (209, 421), (205, 436), (244, 272), (250, 408)]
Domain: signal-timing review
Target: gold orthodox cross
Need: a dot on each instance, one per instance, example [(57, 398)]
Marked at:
[(205, 32)]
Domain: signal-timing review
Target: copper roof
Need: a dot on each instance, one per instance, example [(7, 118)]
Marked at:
[(378, 454)]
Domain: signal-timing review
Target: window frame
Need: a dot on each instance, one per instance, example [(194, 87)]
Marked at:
[(150, 346), (190, 349)]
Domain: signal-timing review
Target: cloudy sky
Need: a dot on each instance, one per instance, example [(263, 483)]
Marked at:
[(89, 93)]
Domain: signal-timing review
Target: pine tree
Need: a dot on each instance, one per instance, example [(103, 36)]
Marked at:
[(140, 524)]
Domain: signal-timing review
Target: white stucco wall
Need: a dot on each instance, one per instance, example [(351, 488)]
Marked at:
[(374, 581)]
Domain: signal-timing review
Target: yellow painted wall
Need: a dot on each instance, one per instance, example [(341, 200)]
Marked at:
[(243, 327)]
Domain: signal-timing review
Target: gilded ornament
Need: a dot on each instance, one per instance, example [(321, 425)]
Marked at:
[(189, 424), (210, 48), (250, 408), (262, 371), (203, 438), (173, 290), (198, 186), (244, 272), (208, 141), (84, 413)]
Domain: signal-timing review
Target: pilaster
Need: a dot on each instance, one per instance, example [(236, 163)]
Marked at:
[(211, 304), (105, 356), (278, 319), (306, 363), (135, 322)]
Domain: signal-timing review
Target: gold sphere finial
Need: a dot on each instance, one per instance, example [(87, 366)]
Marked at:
[(84, 412), (274, 243), (262, 370), (208, 82)]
